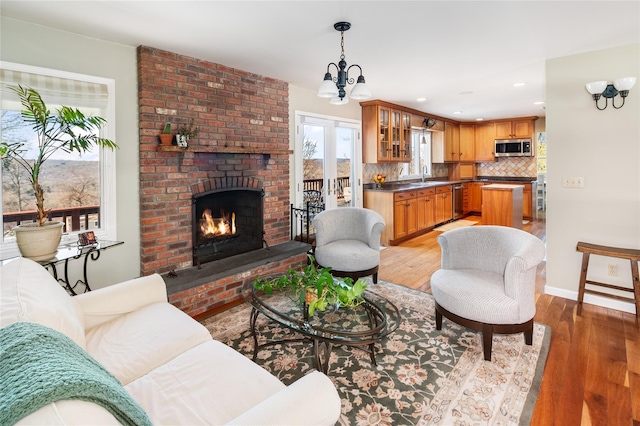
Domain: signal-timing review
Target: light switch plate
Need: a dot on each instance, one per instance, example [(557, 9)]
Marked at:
[(573, 182)]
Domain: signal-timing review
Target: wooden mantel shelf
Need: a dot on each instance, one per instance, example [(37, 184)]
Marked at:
[(223, 149)]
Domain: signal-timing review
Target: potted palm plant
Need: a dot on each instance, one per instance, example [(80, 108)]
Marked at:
[(67, 129)]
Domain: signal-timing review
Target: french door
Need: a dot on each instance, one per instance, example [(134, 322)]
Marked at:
[(328, 161)]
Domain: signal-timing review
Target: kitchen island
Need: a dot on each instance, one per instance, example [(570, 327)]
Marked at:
[(502, 205)]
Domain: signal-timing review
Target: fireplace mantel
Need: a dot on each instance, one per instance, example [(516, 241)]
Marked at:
[(224, 149)]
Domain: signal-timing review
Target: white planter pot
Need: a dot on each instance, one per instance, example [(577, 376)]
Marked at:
[(182, 141), (38, 242)]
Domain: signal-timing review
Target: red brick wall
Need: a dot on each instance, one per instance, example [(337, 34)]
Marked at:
[(232, 108)]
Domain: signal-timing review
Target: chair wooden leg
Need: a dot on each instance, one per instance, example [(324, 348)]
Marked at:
[(487, 340), (438, 320), (528, 336)]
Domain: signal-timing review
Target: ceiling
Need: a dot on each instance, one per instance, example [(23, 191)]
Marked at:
[(462, 56)]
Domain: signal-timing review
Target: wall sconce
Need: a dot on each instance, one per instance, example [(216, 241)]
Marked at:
[(620, 86)]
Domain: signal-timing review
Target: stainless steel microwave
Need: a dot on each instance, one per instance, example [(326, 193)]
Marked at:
[(514, 148)]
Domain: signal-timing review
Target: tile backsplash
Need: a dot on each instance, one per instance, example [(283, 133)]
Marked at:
[(514, 167), (391, 170)]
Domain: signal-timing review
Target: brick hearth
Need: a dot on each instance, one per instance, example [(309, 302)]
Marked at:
[(235, 111)]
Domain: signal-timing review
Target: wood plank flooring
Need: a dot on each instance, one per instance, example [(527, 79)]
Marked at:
[(592, 375)]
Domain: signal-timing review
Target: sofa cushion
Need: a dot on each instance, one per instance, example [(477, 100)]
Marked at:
[(209, 384), (28, 292), (135, 343), (69, 412)]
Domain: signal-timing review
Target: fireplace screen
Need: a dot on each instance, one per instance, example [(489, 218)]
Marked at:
[(226, 222)]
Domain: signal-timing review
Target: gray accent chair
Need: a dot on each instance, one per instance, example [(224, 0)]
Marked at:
[(487, 281), (348, 241)]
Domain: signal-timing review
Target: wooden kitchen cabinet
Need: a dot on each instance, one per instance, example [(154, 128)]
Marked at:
[(502, 205), (451, 142), (467, 142), (513, 129), (386, 134), (485, 136), (444, 204), (475, 196), (405, 214), (425, 201)]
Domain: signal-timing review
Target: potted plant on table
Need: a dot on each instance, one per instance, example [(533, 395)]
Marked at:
[(186, 132), (68, 130), (315, 288)]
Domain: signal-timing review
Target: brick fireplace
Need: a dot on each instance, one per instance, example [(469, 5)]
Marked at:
[(243, 142)]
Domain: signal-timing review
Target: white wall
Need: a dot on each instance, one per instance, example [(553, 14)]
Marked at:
[(603, 147), (40, 46)]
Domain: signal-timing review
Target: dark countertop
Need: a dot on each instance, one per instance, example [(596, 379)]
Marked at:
[(408, 185)]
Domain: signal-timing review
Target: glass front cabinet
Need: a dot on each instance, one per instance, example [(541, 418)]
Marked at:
[(386, 134)]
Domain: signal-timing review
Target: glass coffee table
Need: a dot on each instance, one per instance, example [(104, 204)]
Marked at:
[(361, 326)]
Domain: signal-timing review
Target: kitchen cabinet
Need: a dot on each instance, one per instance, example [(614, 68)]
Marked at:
[(426, 208), (513, 129), (451, 142), (502, 205), (386, 134), (485, 135), (444, 204), (465, 197), (467, 142), (475, 196), (405, 214)]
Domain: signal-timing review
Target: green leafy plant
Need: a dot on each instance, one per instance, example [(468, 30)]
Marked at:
[(188, 130), (323, 288), (67, 129)]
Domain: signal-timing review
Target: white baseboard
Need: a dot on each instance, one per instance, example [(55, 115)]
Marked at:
[(592, 299)]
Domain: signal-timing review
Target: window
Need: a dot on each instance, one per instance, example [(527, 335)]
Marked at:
[(420, 164), (79, 190)]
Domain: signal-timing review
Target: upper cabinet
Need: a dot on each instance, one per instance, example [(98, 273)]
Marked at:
[(514, 129), (467, 142), (451, 141), (485, 142), (386, 134)]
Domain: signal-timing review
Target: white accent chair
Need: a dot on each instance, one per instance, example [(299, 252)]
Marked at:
[(487, 281), (348, 241)]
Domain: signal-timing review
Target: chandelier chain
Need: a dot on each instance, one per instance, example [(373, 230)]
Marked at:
[(342, 45)]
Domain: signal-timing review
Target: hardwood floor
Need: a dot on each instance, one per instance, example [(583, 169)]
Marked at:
[(592, 374)]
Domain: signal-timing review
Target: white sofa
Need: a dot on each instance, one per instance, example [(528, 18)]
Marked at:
[(165, 360)]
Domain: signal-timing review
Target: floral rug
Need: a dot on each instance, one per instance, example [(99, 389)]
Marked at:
[(423, 377)]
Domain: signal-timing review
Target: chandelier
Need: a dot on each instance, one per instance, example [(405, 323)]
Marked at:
[(333, 87)]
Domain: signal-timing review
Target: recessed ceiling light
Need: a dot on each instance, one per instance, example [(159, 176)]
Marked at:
[(421, 99), (519, 84), (539, 103), (457, 112), (479, 119)]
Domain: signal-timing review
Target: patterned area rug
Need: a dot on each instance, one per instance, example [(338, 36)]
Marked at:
[(423, 377)]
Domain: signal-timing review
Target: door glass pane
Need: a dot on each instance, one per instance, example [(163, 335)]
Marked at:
[(313, 156), (345, 143)]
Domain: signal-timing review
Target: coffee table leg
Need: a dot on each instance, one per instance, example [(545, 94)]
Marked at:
[(252, 326), (322, 352)]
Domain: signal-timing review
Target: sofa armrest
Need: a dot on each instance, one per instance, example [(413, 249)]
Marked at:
[(311, 400), (103, 305)]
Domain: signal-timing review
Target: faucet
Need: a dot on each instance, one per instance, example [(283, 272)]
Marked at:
[(424, 172)]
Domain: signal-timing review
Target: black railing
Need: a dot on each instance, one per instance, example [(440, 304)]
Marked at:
[(77, 216), (318, 185)]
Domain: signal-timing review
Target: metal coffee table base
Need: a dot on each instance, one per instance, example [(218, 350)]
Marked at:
[(322, 348)]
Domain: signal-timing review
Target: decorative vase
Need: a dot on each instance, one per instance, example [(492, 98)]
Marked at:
[(166, 139), (39, 242)]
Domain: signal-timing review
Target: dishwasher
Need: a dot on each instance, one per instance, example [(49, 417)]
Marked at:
[(457, 200)]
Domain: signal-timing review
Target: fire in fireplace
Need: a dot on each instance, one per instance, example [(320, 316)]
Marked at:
[(226, 222)]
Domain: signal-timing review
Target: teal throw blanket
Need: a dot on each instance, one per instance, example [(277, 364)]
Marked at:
[(39, 365)]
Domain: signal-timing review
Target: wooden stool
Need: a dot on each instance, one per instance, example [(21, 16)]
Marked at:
[(631, 254)]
